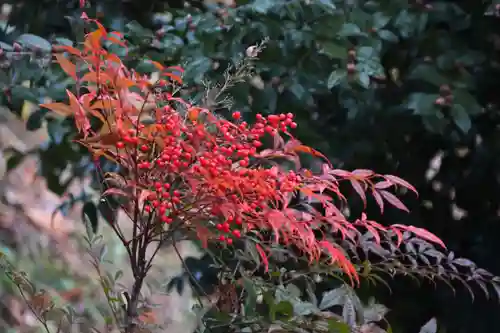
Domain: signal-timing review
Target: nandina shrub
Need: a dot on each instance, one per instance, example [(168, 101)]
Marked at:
[(185, 170)]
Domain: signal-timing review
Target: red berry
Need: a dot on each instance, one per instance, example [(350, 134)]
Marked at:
[(236, 115), (229, 241), (237, 233), (144, 148), (222, 238), (120, 145)]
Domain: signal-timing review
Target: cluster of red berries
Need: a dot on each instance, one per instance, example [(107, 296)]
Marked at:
[(227, 229), (213, 157), (163, 200)]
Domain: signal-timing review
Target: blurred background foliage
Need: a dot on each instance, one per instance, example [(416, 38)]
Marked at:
[(402, 87)]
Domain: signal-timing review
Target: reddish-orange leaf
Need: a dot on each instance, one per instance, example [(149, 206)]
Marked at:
[(93, 40), (174, 77), (123, 82), (341, 260), (175, 68), (393, 200), (81, 121), (113, 58), (116, 41), (59, 108), (67, 66), (102, 78)]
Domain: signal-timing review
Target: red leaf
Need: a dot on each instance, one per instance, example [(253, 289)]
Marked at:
[(359, 189), (341, 173), (263, 256), (341, 260), (379, 200), (363, 173), (401, 182), (115, 191), (383, 185), (422, 233), (393, 200)]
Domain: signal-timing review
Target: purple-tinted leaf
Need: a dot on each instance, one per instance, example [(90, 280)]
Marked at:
[(393, 200), (401, 182), (379, 200), (359, 190), (464, 262), (383, 185)]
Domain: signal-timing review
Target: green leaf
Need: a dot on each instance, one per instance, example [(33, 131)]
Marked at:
[(364, 80), (34, 42), (422, 103), (351, 30), (380, 20), (134, 29), (262, 6), (24, 94), (298, 90), (429, 74), (388, 35), (334, 50), (336, 77), (468, 102), (35, 120), (64, 41), (336, 326), (333, 297), (285, 309), (461, 118), (89, 216), (251, 298)]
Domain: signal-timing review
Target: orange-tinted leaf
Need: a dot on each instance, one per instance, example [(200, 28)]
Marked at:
[(67, 66), (157, 65), (393, 200), (113, 58), (81, 121), (123, 82), (116, 41), (174, 77), (193, 113), (93, 40), (59, 108), (93, 77)]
